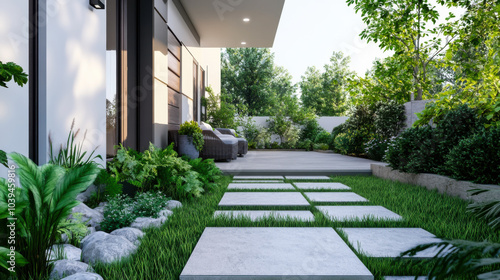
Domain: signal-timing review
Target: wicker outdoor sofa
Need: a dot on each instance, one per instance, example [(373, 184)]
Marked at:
[(215, 147), (242, 142)]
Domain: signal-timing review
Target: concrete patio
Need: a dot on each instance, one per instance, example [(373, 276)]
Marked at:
[(296, 163)]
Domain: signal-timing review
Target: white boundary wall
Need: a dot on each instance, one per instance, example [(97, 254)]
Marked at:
[(327, 123)]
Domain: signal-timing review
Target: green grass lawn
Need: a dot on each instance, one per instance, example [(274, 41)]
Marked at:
[(164, 251)]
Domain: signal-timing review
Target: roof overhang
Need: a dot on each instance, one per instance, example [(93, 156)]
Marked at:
[(220, 22)]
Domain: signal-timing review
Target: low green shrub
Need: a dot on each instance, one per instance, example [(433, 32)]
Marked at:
[(306, 144), (122, 210), (322, 138), (75, 230), (389, 119), (310, 129), (376, 148), (320, 146), (352, 142), (477, 158), (414, 151)]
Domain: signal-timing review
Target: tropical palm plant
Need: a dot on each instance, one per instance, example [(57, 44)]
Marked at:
[(43, 200), (462, 257)]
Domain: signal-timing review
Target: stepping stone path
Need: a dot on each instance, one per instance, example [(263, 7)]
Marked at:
[(322, 186), (307, 178), (258, 177), (261, 186), (391, 242), (263, 199), (273, 253), (258, 215), (335, 197), (346, 213), (297, 252)]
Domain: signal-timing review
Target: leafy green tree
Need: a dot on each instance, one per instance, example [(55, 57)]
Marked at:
[(9, 71), (385, 81), (406, 27), (219, 112), (326, 92), (246, 76)]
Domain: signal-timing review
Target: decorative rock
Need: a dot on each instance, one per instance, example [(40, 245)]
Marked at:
[(165, 213), (172, 204), (96, 236), (63, 268), (131, 234), (84, 276), (69, 252), (143, 222), (109, 249), (100, 209), (90, 216), (103, 204), (85, 196)]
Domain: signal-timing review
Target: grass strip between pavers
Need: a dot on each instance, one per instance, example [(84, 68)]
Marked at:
[(164, 251)]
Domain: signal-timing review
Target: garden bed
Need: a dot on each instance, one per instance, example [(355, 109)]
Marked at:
[(441, 183)]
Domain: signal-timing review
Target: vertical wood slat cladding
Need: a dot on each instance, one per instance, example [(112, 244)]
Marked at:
[(174, 81), (174, 115), (174, 45), (174, 64), (174, 98)]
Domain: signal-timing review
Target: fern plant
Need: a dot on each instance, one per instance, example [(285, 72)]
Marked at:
[(44, 200)]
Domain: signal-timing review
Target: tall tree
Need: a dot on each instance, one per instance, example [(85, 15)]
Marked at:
[(405, 27), (326, 92), (246, 77)]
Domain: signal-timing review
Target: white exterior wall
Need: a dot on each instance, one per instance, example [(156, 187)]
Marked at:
[(75, 74), (14, 107)]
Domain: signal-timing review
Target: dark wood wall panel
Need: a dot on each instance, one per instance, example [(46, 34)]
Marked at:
[(174, 98), (174, 81), (174, 45), (174, 64), (174, 115)]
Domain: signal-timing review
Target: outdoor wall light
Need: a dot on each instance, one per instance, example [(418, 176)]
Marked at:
[(97, 4), (243, 43), (246, 20)]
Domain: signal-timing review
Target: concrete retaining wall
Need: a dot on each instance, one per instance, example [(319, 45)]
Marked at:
[(443, 184)]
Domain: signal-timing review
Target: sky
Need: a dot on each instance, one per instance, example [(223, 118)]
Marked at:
[(308, 35)]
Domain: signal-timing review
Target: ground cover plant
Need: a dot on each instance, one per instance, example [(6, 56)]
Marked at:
[(181, 232)]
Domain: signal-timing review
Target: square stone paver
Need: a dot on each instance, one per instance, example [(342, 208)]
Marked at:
[(250, 177), (258, 215), (324, 186), (335, 197), (405, 278), (261, 186), (258, 181), (390, 242), (273, 253), (263, 199), (308, 177), (345, 213)]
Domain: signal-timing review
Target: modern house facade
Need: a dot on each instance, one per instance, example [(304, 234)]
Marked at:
[(126, 73)]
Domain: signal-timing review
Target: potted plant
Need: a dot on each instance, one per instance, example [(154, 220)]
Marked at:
[(190, 139)]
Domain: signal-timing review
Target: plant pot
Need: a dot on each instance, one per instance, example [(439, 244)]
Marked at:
[(129, 189), (187, 148)]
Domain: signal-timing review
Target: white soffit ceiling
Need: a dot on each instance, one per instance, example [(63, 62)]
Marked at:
[(220, 22)]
